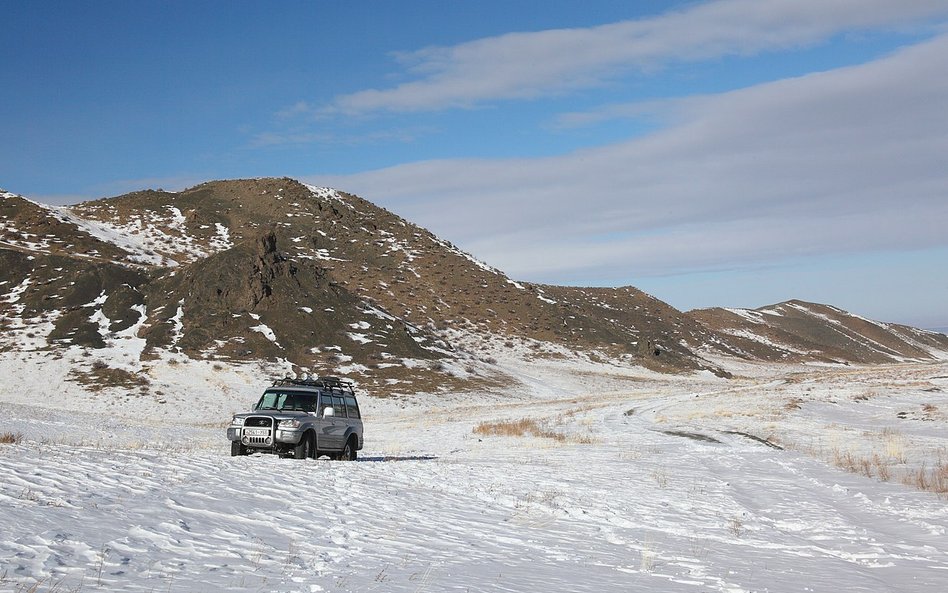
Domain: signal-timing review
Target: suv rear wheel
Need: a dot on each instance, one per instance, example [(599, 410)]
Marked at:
[(349, 452)]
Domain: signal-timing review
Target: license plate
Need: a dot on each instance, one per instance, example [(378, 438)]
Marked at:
[(256, 432)]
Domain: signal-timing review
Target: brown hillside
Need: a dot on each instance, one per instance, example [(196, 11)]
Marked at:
[(399, 267), (325, 282)]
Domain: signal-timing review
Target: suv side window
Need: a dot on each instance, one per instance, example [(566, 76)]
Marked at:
[(352, 407), (324, 402), (339, 406), (309, 403)]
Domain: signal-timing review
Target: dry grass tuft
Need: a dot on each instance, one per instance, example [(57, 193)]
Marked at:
[(736, 527), (41, 586), (102, 376), (794, 404), (895, 446), (518, 428), (929, 412), (529, 427), (933, 480), (660, 477), (871, 467), (11, 438)]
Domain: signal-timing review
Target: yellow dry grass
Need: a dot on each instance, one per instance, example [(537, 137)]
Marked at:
[(527, 427)]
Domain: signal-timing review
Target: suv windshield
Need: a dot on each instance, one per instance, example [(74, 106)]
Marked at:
[(287, 400)]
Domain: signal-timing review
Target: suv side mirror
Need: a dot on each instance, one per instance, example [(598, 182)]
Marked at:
[(328, 412)]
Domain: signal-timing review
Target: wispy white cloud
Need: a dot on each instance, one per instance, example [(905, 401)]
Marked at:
[(842, 161), (298, 108), (527, 65), (298, 137), (267, 139)]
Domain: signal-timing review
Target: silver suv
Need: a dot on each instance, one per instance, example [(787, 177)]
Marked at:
[(304, 418)]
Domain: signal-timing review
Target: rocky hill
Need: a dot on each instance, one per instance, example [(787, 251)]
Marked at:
[(319, 281)]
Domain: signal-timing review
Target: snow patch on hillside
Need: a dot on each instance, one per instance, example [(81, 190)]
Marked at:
[(137, 240), (748, 314), (328, 193), (221, 241), (745, 333)]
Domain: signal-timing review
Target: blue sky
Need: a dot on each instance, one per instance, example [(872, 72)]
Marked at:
[(729, 152)]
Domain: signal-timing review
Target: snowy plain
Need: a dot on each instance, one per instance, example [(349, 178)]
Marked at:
[(655, 483)]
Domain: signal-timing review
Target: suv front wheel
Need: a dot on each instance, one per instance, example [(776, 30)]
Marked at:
[(305, 449)]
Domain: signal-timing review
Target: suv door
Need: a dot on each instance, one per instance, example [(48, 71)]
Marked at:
[(329, 435), (341, 424)]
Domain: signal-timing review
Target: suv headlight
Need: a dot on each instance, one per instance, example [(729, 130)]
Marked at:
[(292, 423), (237, 421)]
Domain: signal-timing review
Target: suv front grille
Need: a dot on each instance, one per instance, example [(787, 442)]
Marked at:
[(258, 431), (258, 421)]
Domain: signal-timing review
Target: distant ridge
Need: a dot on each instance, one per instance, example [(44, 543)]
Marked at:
[(799, 331)]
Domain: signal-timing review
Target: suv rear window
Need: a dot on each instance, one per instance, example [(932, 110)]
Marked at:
[(352, 407)]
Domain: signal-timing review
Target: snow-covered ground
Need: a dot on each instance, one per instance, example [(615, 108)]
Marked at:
[(655, 483)]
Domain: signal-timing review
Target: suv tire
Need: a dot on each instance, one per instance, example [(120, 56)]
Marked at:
[(237, 448), (348, 452), (305, 449)]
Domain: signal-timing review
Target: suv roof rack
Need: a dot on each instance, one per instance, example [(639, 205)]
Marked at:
[(325, 382)]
